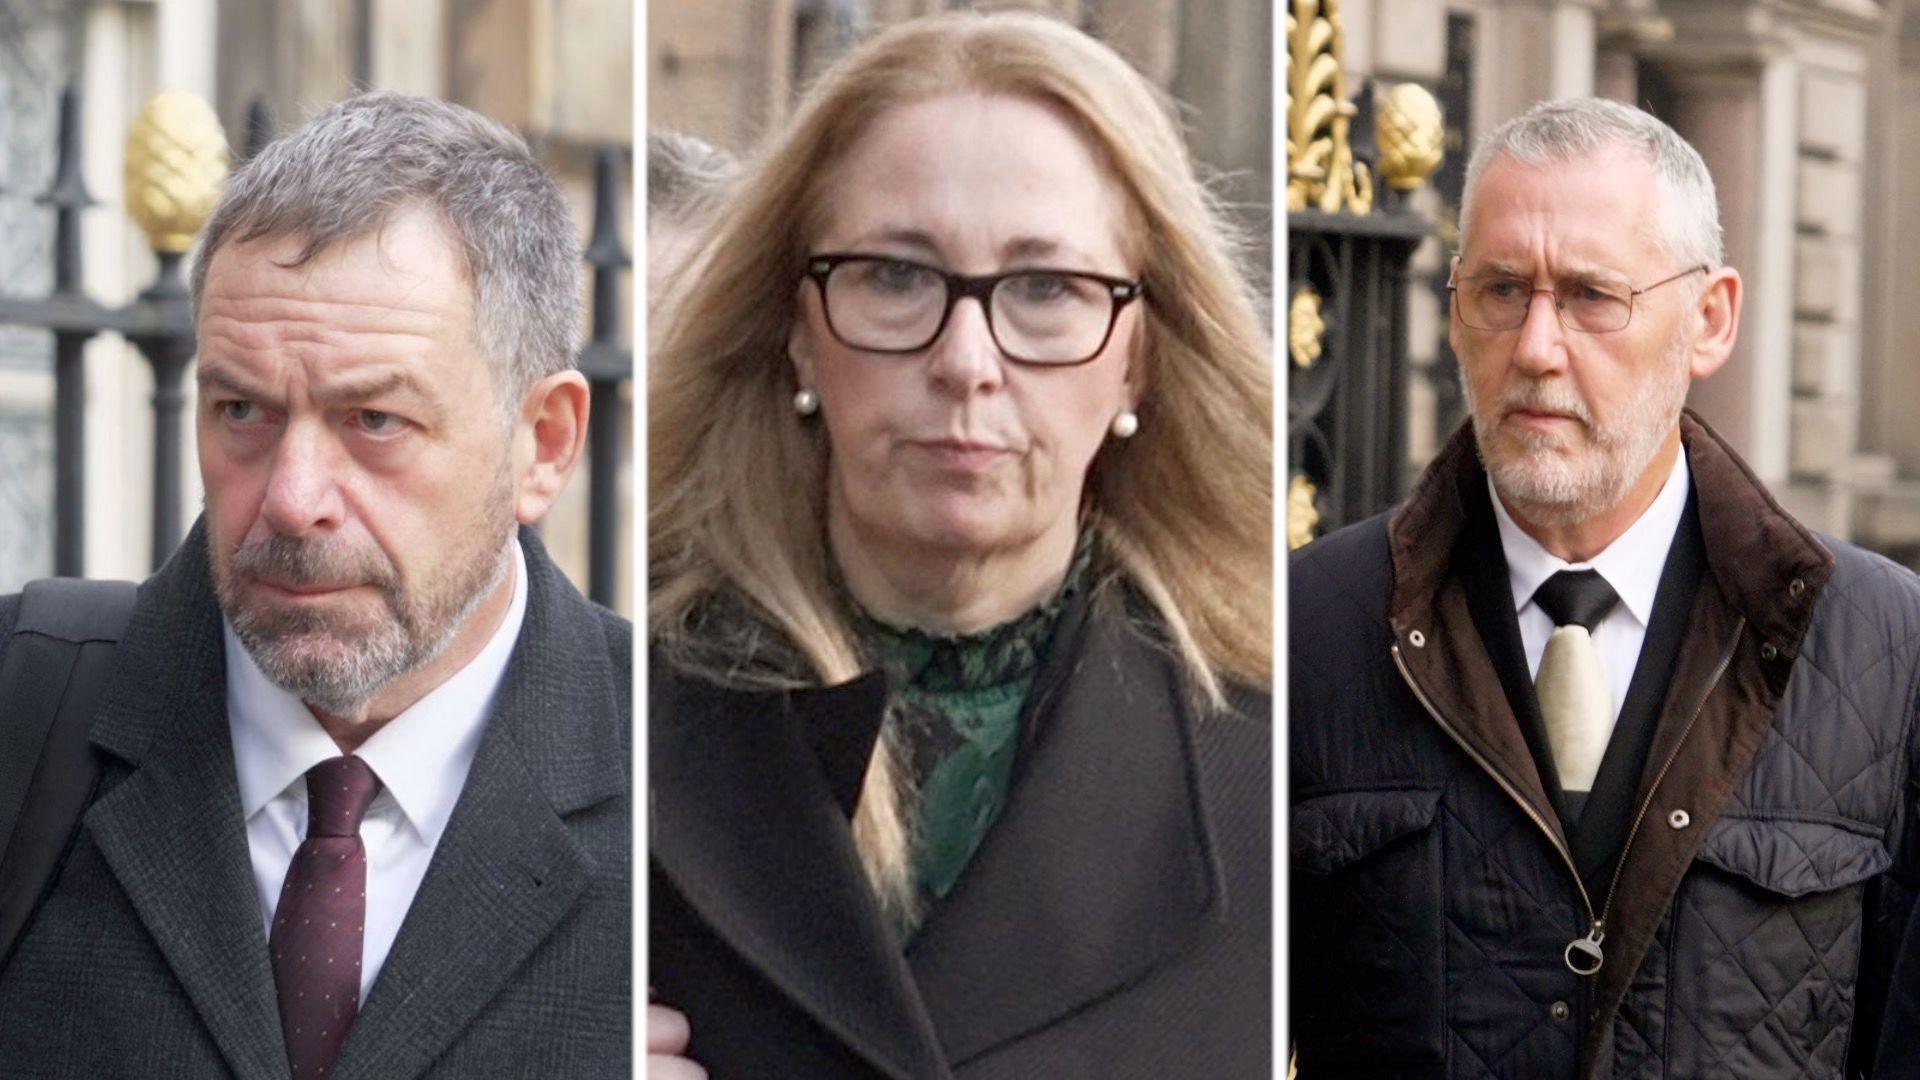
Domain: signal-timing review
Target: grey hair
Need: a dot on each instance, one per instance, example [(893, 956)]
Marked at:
[(1578, 128), (684, 172), (349, 170)]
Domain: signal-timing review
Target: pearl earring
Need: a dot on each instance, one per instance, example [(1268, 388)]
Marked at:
[(806, 402), (1125, 424)]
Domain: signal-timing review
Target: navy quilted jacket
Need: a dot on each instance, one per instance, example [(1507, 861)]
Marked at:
[(1758, 911)]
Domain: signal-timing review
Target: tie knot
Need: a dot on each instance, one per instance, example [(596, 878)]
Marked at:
[(1576, 598), (339, 790)]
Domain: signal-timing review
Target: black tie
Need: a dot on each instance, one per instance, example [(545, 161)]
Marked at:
[(1576, 598)]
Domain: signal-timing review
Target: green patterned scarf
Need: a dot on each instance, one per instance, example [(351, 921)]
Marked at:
[(958, 700)]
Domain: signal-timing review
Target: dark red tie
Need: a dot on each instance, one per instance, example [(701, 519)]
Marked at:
[(321, 920)]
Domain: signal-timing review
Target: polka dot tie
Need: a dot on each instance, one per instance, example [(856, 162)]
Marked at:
[(321, 919)]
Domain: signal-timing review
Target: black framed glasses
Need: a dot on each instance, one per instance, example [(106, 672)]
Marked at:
[(1037, 315), (1501, 301)]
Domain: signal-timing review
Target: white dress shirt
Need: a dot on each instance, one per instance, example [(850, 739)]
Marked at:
[(421, 757), (1632, 564)]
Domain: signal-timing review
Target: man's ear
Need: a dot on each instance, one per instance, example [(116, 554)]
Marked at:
[(548, 437), (1719, 312)]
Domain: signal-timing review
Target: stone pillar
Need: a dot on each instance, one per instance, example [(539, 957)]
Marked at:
[(1890, 518), (1827, 337), (1534, 50)]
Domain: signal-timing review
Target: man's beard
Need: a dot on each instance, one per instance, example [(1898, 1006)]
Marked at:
[(1550, 487), (339, 660)]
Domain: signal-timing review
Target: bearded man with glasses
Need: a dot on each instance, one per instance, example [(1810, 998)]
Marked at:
[(1603, 765)]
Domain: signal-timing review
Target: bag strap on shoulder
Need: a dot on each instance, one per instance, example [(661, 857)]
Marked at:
[(53, 668)]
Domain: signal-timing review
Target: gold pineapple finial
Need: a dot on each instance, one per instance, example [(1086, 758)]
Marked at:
[(1412, 136), (176, 162)]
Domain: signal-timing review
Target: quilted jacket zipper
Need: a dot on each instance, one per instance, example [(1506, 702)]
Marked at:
[(1588, 948), (1596, 931)]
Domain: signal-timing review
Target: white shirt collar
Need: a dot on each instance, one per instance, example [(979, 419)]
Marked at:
[(1632, 564), (421, 756)]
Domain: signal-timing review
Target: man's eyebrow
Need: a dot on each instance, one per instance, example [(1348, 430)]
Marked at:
[(214, 376), (1490, 266), (424, 403), (350, 389)]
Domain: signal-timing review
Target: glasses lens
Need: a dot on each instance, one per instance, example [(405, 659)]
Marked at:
[(1493, 302), (885, 304), (1594, 308), (1049, 317), (1496, 302)]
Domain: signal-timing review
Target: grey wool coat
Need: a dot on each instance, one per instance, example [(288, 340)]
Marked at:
[(149, 959)]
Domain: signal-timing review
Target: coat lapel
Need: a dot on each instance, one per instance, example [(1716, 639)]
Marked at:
[(1435, 631), (171, 830), (748, 827), (1100, 868), (507, 871)]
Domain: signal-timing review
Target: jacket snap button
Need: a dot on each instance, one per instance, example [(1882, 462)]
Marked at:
[(1768, 652), (1559, 1011), (1679, 819), (1418, 639), (1796, 587)]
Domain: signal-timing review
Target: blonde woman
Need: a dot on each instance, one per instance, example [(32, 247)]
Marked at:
[(960, 622)]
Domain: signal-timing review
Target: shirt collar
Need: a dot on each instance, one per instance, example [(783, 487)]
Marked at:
[(1632, 564), (421, 756)]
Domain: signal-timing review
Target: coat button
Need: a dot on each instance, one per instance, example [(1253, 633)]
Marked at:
[(1768, 652), (1679, 819), (1796, 587), (1418, 639), (1559, 1011)]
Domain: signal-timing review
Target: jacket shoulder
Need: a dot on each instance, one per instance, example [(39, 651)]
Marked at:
[(9, 615), (1867, 587), (1865, 632), (1857, 571), (1352, 560), (1337, 592)]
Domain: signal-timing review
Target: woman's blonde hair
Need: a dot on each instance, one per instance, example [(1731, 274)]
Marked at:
[(741, 589)]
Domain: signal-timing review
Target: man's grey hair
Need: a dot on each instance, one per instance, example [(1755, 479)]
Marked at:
[(1579, 128), (347, 172)]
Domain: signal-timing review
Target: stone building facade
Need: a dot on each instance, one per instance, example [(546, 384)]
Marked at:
[(1808, 114), (558, 71)]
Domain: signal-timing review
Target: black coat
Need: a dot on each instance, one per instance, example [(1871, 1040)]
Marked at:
[(149, 957), (1760, 896), (1114, 923)]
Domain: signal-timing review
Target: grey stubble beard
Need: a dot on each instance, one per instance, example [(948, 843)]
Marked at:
[(1554, 493), (340, 668)]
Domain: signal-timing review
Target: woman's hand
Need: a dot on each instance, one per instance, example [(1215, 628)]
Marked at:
[(667, 1035)]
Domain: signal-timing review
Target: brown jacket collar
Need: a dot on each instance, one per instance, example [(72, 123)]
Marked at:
[(1753, 609)]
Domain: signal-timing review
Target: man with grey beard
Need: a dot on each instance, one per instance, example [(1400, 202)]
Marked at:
[(354, 794), (1603, 765)]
